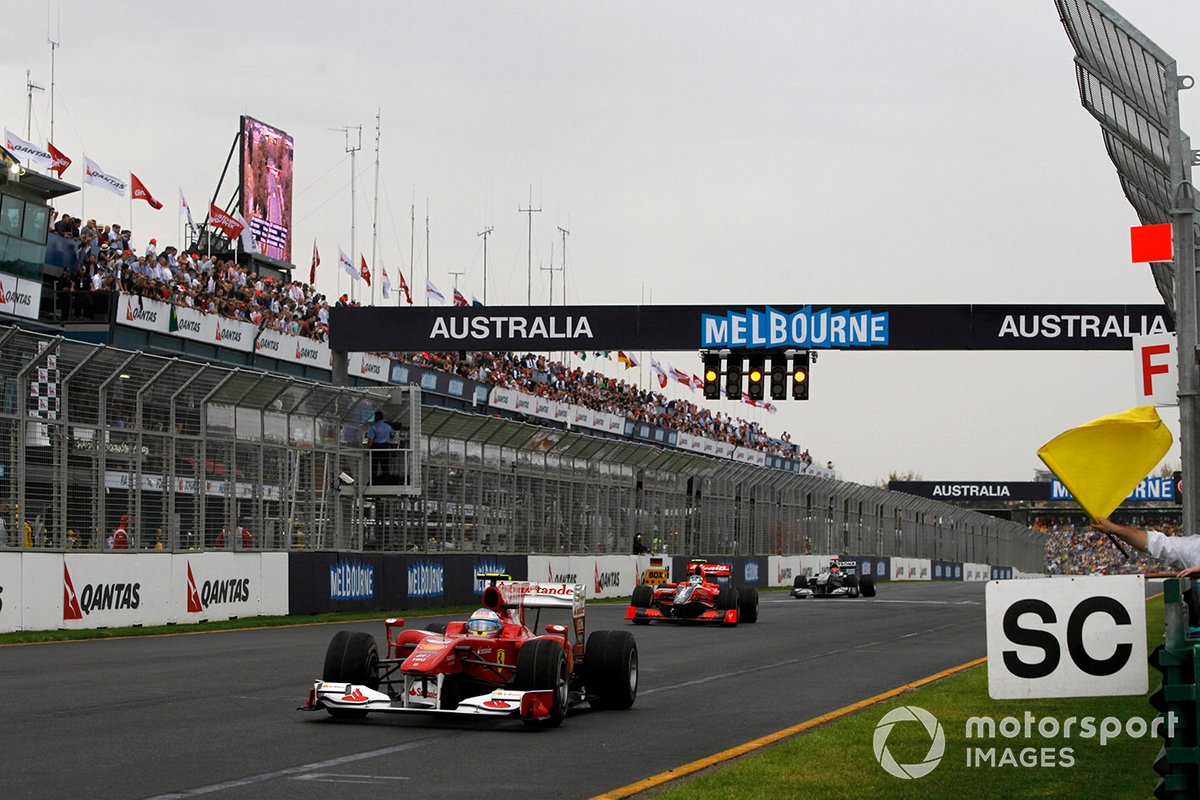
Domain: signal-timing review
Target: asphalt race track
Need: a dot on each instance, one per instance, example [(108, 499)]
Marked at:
[(215, 715)]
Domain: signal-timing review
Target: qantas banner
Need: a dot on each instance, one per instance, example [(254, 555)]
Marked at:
[(764, 327), (144, 313), (368, 366), (296, 349), (20, 297)]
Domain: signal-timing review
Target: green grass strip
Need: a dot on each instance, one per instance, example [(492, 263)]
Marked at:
[(837, 759)]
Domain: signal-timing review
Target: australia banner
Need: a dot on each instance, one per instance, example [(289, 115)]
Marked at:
[(747, 329)]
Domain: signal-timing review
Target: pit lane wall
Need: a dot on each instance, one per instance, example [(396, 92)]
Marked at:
[(46, 591)]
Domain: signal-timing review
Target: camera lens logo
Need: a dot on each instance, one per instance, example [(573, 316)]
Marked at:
[(932, 727)]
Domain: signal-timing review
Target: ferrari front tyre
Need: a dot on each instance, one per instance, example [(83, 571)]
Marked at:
[(610, 669), (866, 585), (542, 665), (748, 605), (352, 657), (643, 596)]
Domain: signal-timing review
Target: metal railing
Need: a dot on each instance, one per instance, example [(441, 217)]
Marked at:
[(184, 456)]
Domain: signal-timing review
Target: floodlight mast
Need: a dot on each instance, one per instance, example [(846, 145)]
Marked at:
[(1183, 216)]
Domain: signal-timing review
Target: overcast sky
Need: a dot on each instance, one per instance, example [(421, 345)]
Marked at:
[(872, 152)]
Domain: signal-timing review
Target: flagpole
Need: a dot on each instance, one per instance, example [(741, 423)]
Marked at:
[(375, 211)]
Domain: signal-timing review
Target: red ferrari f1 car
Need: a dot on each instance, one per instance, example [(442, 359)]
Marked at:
[(706, 596), (447, 670)]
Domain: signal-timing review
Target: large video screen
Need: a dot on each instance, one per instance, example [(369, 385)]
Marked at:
[(267, 155)]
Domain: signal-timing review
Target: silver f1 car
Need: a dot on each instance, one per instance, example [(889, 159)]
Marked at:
[(839, 579)]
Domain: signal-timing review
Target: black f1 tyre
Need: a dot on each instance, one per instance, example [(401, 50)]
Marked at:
[(542, 664), (436, 627), (800, 582), (851, 583), (610, 669), (643, 596), (727, 598), (748, 604), (866, 585), (352, 657)]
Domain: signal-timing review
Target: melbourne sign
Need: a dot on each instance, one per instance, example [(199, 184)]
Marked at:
[(747, 328)]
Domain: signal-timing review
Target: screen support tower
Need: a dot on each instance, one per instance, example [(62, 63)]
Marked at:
[(529, 267), (485, 233)]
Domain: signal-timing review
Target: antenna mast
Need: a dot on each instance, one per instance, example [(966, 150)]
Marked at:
[(30, 88), (530, 211), (552, 269), (375, 212), (565, 233), (485, 233), (351, 150), (426, 251), (53, 46)]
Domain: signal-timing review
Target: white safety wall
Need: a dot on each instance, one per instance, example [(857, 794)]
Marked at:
[(47, 591), (602, 576)]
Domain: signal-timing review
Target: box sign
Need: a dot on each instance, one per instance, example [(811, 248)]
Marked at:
[(1066, 637), (1155, 370)]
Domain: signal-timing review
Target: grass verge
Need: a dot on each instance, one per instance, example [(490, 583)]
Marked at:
[(837, 757)]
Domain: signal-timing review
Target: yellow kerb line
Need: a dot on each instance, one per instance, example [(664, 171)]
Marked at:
[(733, 752)]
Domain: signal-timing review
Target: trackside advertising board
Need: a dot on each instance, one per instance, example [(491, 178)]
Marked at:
[(94, 590), (769, 326), (1066, 637)]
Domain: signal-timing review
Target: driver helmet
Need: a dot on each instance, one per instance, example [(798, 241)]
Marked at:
[(485, 623), (696, 579)]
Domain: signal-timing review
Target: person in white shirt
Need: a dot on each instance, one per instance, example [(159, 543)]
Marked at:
[(1181, 550)]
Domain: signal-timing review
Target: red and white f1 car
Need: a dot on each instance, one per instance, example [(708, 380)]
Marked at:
[(706, 596), (443, 670)]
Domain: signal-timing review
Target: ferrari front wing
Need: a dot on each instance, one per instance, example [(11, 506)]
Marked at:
[(531, 705)]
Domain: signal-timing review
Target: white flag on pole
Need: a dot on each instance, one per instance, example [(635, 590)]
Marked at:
[(27, 151), (345, 263), (93, 174), (248, 243), (432, 292), (386, 285), (187, 212)]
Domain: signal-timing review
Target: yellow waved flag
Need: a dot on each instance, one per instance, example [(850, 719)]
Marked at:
[(1102, 461)]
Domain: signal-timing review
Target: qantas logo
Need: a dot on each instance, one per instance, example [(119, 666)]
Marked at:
[(562, 577), (607, 580), (188, 325), (232, 334), (783, 574), (309, 353), (267, 344), (138, 314), (218, 592), (98, 597), (369, 368)]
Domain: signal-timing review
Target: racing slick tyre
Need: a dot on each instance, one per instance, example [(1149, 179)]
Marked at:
[(866, 585), (727, 598), (643, 596), (800, 582), (852, 584), (542, 664), (436, 627), (352, 657), (610, 669), (748, 605)]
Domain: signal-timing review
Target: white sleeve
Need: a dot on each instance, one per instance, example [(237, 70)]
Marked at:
[(1181, 550)]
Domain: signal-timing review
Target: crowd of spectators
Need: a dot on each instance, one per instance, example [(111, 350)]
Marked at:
[(108, 262), (543, 377), (1074, 548)]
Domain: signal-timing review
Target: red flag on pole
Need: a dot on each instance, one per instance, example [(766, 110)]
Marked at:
[(316, 262), (364, 271), (60, 162), (227, 224), (1151, 243), (140, 192), (404, 288)]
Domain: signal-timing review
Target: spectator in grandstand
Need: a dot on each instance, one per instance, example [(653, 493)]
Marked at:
[(120, 535), (1182, 551)]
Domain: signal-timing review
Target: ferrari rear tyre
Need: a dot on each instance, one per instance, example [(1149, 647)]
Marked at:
[(610, 669), (643, 596), (542, 664), (748, 605), (866, 585), (352, 657)]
